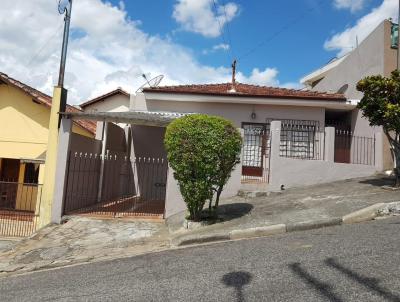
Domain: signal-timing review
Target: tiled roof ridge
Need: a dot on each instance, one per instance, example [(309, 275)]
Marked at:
[(245, 89)]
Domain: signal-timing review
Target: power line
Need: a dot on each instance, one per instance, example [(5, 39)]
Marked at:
[(34, 57), (221, 29), (282, 29), (231, 48)]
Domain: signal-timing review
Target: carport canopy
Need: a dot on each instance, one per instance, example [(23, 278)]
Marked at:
[(145, 118)]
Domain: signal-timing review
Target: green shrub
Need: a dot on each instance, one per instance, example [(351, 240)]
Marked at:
[(202, 150)]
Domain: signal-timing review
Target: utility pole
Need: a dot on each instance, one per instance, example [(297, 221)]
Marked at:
[(67, 10), (59, 104), (234, 73)]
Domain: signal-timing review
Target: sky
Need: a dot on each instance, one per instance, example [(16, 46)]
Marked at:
[(114, 42)]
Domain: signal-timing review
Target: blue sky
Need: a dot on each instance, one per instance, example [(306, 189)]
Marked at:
[(292, 33), (114, 42)]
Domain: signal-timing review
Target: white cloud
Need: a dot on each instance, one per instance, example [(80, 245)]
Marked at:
[(364, 26), (353, 5), (102, 55), (221, 46), (267, 77), (199, 16)]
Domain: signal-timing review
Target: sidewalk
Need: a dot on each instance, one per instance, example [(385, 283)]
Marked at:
[(318, 203), (85, 240)]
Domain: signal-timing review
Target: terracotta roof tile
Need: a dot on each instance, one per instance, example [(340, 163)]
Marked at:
[(45, 99), (246, 90)]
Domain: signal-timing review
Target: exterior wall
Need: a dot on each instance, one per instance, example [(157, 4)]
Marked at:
[(291, 172), (239, 113), (24, 125), (373, 56), (115, 103), (367, 59)]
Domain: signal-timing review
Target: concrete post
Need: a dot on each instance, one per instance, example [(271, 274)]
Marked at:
[(274, 155), (64, 140), (379, 151), (103, 154), (59, 97), (329, 155)]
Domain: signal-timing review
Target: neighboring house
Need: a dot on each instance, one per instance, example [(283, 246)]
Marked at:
[(377, 54), (24, 120), (114, 101)]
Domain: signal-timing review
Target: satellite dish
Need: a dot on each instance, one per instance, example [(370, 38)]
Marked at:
[(343, 89), (154, 82)]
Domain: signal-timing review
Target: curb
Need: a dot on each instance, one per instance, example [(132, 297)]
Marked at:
[(366, 214), (193, 239), (258, 231), (313, 224)]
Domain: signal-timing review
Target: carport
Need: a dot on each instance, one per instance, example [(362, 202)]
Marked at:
[(126, 177)]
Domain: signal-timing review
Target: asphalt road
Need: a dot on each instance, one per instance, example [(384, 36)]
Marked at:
[(346, 263)]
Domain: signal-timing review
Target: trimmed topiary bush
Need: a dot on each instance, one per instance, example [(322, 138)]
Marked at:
[(203, 150)]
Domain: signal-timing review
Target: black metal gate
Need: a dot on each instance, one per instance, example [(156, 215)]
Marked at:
[(115, 186)]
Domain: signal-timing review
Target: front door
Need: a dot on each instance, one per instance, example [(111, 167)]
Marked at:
[(254, 149)]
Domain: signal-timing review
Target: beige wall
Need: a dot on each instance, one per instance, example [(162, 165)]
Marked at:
[(373, 56), (115, 103), (239, 113)]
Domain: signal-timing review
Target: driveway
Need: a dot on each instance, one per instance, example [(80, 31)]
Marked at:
[(84, 240)]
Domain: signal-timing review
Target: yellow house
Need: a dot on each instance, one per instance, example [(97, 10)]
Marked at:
[(24, 122)]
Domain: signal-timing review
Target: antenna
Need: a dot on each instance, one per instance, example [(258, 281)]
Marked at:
[(154, 82)]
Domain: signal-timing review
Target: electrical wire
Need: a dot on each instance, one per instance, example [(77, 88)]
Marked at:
[(281, 30), (40, 50), (222, 33)]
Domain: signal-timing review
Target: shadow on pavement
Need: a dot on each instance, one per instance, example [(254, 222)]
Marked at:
[(370, 283), (322, 288), (234, 210), (379, 181), (237, 280)]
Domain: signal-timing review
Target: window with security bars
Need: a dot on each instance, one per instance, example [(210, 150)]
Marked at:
[(298, 142)]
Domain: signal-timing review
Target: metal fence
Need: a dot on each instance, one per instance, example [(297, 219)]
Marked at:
[(302, 142), (19, 208), (353, 149), (256, 149), (115, 185)]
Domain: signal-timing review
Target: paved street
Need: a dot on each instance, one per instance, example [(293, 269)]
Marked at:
[(346, 263)]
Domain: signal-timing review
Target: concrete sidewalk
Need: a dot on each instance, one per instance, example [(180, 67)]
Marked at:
[(321, 204), (84, 240)]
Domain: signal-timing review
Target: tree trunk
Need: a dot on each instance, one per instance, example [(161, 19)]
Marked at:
[(395, 148)]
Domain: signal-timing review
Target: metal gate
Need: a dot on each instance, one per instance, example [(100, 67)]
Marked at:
[(256, 147), (115, 186), (19, 208)]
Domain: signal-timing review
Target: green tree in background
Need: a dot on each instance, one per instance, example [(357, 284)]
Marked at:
[(381, 106)]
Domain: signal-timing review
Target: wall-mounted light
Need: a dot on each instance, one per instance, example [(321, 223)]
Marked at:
[(253, 115)]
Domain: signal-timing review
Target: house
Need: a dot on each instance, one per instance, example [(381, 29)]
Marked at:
[(286, 143), (376, 54), (24, 119), (113, 101)]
